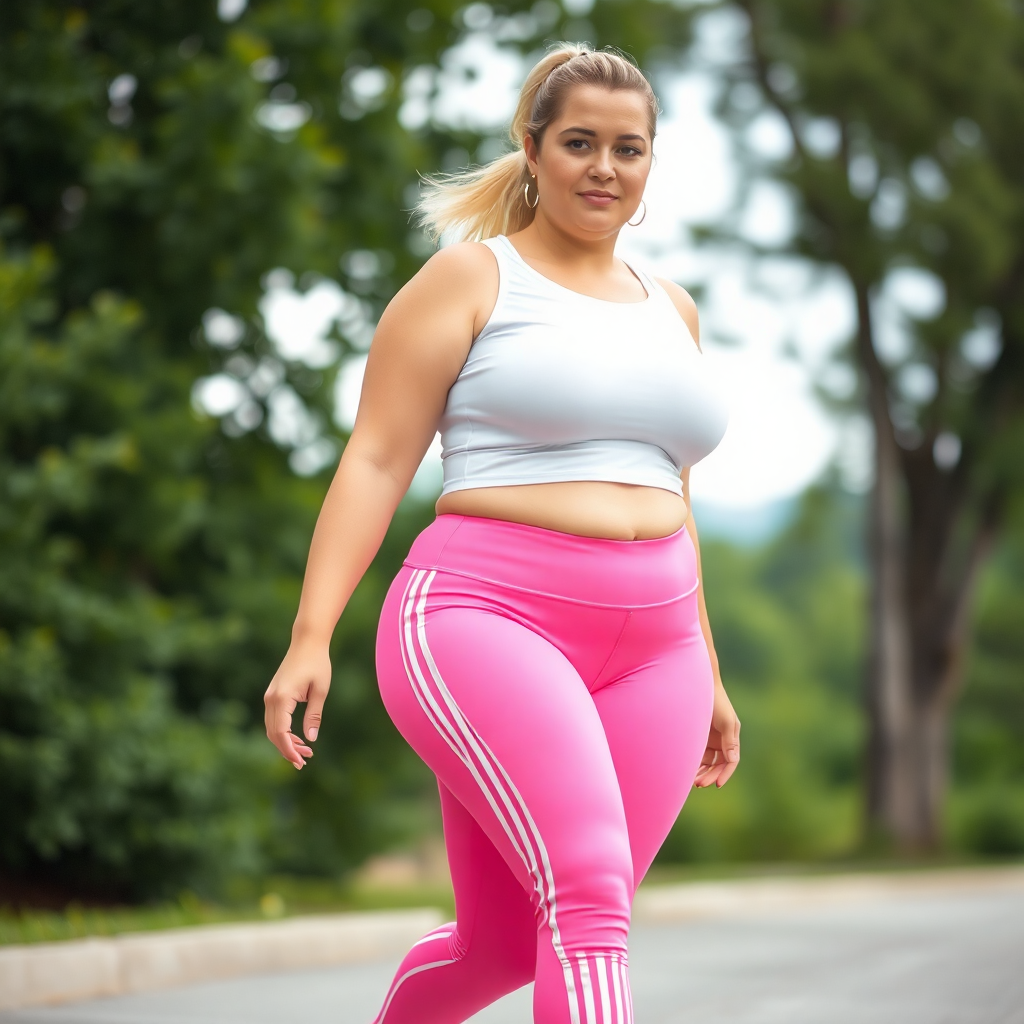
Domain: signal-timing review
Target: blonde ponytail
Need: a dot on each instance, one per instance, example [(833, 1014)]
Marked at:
[(485, 201)]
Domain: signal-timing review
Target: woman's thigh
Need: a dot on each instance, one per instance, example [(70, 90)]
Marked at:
[(655, 709), (507, 724)]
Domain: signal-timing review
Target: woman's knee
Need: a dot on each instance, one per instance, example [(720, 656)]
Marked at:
[(593, 894)]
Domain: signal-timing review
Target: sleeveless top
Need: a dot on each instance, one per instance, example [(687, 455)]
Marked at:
[(564, 386)]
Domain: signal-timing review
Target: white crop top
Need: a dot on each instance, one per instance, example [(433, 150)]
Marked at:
[(564, 386)]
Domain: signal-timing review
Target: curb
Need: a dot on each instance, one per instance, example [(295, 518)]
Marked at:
[(666, 904), (58, 972)]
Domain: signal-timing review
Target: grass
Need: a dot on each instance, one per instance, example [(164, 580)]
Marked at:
[(280, 897), (669, 874)]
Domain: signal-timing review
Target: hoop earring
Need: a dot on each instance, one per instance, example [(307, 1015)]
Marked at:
[(641, 220), (526, 194)]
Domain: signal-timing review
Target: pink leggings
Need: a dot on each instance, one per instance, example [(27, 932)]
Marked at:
[(560, 689)]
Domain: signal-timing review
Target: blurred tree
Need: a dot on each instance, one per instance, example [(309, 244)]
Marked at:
[(157, 160), (108, 767), (153, 166), (905, 121), (789, 626)]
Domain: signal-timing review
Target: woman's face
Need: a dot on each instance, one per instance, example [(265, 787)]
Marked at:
[(593, 161)]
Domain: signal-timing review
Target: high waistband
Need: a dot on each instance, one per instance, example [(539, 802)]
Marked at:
[(587, 570)]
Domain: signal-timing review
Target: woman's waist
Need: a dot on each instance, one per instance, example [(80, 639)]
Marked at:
[(609, 510), (587, 570)]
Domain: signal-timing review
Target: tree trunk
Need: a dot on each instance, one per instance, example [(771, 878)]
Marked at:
[(924, 556), (942, 585), (891, 804)]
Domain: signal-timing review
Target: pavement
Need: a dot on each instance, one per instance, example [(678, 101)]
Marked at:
[(949, 954)]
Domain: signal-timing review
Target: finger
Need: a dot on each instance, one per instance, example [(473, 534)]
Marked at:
[(731, 740), (314, 711), (711, 753), (279, 727), (285, 743), (707, 776), (276, 706), (280, 707), (300, 746), (726, 773), (268, 709)]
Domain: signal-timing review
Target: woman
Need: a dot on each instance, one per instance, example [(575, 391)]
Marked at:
[(545, 647)]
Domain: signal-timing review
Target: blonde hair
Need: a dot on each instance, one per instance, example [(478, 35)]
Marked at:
[(485, 201)]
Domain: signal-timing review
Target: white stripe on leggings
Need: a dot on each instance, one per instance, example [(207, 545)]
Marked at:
[(627, 994), (620, 1016), (588, 988), (484, 756), (431, 708), (434, 936), (398, 984), (602, 984), (436, 716), (466, 742)]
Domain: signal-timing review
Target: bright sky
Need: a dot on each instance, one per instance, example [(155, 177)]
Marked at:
[(768, 328)]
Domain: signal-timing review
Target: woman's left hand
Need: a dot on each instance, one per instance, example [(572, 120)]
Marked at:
[(723, 752)]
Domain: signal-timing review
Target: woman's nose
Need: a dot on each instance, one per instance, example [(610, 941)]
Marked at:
[(602, 165)]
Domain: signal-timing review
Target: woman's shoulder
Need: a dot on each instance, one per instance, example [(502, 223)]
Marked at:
[(459, 280), (463, 263), (685, 306)]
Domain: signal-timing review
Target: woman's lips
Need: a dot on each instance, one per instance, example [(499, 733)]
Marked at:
[(597, 199)]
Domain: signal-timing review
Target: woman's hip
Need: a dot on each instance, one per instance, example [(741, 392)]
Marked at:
[(588, 599)]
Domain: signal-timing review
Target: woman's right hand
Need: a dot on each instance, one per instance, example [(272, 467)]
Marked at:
[(418, 350), (304, 675)]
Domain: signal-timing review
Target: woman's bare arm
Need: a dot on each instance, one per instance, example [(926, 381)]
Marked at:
[(418, 349), (723, 750)]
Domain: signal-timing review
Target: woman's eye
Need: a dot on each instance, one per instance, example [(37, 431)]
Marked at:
[(580, 144)]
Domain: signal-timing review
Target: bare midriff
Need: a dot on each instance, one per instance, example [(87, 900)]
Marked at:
[(587, 508)]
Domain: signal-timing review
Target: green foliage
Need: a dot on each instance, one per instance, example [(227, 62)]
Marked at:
[(122, 652), (149, 564), (788, 627)]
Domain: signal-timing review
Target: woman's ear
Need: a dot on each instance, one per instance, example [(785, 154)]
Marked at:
[(530, 149)]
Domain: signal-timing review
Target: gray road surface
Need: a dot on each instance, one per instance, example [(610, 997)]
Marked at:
[(949, 959)]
